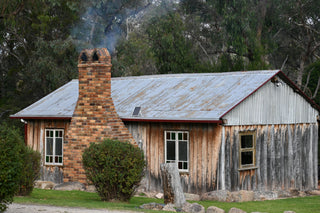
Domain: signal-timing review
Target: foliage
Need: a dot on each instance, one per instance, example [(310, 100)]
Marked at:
[(30, 171), (11, 164), (114, 167), (92, 201)]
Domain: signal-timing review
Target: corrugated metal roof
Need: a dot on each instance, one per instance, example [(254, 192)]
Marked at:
[(201, 97)]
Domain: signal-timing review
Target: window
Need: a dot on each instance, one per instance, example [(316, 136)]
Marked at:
[(247, 149), (177, 149), (54, 146)]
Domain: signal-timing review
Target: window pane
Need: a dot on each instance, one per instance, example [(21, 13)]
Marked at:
[(247, 158), (180, 136), (183, 151), (173, 136), (185, 165), (171, 150), (51, 134), (179, 165), (49, 146), (246, 141), (168, 136), (58, 146), (185, 136)]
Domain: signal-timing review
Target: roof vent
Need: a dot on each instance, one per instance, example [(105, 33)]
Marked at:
[(136, 112)]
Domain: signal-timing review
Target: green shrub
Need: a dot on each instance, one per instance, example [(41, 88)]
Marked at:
[(30, 171), (11, 163), (115, 168)]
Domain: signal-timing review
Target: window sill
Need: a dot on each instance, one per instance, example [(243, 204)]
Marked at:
[(183, 173), (59, 165), (247, 168)]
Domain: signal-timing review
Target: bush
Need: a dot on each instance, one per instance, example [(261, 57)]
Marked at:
[(115, 168), (30, 171), (11, 163)]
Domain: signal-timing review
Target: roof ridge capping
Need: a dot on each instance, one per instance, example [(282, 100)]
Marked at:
[(177, 75)]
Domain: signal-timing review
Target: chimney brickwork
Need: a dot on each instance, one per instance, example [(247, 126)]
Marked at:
[(95, 117)]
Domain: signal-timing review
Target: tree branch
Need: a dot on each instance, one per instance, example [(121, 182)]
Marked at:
[(317, 89)]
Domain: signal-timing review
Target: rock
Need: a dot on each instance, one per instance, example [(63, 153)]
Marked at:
[(172, 188), (265, 195), (91, 188), (193, 197), (44, 184), (169, 207), (68, 186), (289, 212), (314, 192), (236, 210), (193, 208), (152, 206), (214, 209), (241, 196), (219, 195), (293, 192), (159, 195)]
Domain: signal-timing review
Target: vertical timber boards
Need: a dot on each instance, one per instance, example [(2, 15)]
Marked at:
[(204, 146), (285, 158)]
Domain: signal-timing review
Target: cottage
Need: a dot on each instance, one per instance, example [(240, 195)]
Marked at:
[(235, 131)]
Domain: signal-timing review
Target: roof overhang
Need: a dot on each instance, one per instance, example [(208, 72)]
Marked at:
[(130, 119), (163, 120), (48, 117)]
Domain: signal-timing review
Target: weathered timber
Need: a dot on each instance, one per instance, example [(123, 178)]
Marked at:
[(172, 189)]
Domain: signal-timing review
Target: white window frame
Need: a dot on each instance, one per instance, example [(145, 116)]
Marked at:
[(54, 147), (248, 149), (176, 140)]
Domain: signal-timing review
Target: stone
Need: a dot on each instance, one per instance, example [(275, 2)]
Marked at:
[(172, 188), (159, 195), (68, 186), (193, 197), (240, 196), (236, 210), (289, 212), (294, 192), (44, 184), (152, 206), (314, 192), (193, 208), (169, 207), (214, 209), (265, 195), (91, 188), (219, 195)]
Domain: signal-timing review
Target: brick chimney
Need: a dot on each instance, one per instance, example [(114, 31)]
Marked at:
[(95, 117)]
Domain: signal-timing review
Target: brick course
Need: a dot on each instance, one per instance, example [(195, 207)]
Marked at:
[(95, 117)]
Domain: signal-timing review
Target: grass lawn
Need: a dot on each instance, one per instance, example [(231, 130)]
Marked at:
[(309, 204)]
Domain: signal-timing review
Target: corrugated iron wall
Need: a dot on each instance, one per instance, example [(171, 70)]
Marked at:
[(274, 103)]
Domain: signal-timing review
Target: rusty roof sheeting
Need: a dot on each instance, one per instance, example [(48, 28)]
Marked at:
[(162, 97)]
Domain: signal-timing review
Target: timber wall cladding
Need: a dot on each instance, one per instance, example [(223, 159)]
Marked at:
[(285, 158), (36, 140), (204, 146)]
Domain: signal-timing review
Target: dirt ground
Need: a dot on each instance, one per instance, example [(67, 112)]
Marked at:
[(26, 208)]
